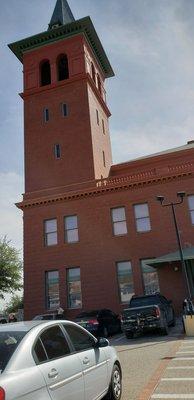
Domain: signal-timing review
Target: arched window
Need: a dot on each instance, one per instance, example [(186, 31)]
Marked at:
[(99, 84), (62, 67), (45, 73), (93, 72)]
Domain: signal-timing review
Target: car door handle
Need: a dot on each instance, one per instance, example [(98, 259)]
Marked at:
[(86, 360), (53, 373)]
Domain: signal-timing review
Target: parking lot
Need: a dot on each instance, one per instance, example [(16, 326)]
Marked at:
[(146, 358)]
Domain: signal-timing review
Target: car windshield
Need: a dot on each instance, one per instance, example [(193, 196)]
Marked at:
[(88, 314), (8, 343), (144, 301)]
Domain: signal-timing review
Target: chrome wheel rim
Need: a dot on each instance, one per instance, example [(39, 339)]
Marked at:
[(117, 384)]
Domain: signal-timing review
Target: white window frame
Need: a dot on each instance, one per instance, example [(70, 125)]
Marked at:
[(69, 282), (152, 269), (191, 208), (47, 233), (70, 229), (115, 222), (128, 294), (48, 305), (145, 217)]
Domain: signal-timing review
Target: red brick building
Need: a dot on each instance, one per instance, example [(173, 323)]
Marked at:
[(90, 226)]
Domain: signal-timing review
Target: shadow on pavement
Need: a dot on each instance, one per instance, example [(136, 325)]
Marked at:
[(148, 339)]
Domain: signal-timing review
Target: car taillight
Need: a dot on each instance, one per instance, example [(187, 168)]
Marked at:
[(157, 312), (2, 394), (93, 322)]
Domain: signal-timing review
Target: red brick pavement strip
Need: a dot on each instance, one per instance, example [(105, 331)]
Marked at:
[(155, 379)]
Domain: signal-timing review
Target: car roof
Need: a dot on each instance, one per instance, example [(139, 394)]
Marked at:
[(25, 326)]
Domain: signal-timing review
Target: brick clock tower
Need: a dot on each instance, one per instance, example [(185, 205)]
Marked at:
[(67, 144)]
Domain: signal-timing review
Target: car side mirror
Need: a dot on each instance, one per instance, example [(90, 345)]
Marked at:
[(102, 342)]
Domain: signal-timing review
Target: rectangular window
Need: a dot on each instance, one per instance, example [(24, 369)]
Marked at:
[(142, 217), (57, 151), (46, 114), (71, 229), (125, 281), (119, 221), (191, 207), (97, 117), (103, 127), (74, 288), (50, 232), (150, 277), (52, 289), (104, 159), (64, 110)]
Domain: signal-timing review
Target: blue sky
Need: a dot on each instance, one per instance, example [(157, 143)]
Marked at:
[(150, 44)]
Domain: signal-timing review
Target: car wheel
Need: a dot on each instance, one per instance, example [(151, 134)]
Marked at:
[(164, 330), (105, 332), (174, 320), (129, 335), (115, 389)]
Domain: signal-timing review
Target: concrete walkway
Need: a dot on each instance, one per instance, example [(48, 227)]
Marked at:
[(177, 380)]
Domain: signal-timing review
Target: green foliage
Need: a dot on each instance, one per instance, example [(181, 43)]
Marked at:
[(10, 268), (14, 304)]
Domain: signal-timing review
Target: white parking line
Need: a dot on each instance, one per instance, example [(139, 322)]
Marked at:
[(185, 352), (184, 367), (172, 396), (177, 379), (182, 358), (119, 338)]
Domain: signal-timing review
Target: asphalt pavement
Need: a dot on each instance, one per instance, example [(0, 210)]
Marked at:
[(141, 357)]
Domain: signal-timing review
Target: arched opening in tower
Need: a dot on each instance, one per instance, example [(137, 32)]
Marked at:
[(45, 73), (63, 68)]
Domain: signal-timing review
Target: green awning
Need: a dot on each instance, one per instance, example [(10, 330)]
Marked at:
[(188, 254)]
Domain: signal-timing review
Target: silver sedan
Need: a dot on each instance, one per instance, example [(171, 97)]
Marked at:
[(56, 360)]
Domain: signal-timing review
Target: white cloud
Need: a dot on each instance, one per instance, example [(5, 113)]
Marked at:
[(136, 141)]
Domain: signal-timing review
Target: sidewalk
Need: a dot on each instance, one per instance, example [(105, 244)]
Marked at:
[(177, 381)]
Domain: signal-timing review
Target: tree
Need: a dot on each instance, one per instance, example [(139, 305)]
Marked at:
[(10, 268), (14, 304)]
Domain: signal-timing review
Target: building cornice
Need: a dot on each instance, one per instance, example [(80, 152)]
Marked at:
[(110, 185)]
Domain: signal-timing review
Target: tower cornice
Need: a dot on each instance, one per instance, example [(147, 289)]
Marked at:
[(83, 25), (58, 85)]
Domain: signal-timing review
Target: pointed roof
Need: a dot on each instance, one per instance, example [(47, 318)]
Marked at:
[(62, 14)]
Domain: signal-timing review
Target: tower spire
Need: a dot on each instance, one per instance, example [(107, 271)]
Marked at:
[(62, 14)]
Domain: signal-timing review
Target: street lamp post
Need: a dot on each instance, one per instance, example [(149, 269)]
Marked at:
[(181, 196)]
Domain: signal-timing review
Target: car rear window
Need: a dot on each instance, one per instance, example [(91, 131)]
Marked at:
[(9, 341), (144, 301)]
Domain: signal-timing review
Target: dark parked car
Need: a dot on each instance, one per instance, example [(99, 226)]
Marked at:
[(102, 322), (147, 313)]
